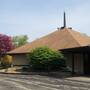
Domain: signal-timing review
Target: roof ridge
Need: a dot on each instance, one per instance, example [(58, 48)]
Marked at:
[(74, 37)]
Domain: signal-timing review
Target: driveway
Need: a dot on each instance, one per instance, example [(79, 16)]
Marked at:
[(36, 82)]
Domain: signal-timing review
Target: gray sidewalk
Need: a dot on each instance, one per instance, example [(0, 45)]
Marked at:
[(79, 79)]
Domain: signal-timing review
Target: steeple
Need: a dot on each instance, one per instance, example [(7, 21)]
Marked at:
[(64, 20)]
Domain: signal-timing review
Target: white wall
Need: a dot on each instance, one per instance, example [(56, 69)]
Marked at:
[(20, 59)]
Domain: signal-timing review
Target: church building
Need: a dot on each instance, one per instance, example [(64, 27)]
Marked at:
[(74, 45)]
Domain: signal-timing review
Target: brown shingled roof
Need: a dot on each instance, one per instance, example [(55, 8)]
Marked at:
[(60, 39)]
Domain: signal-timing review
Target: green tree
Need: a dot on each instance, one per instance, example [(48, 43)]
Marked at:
[(20, 40), (44, 58)]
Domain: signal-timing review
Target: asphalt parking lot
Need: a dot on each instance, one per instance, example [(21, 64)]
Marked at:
[(37, 82)]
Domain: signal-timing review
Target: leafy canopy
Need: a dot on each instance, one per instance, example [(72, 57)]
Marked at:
[(5, 44), (44, 58), (20, 40)]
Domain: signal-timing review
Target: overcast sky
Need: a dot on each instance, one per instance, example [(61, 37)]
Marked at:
[(37, 18)]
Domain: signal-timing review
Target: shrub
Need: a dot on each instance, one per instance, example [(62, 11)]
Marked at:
[(44, 58), (6, 60)]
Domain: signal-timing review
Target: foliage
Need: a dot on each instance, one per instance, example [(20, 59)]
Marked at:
[(20, 40), (6, 60), (5, 44), (44, 58)]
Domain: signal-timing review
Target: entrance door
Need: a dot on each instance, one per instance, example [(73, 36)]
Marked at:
[(87, 64)]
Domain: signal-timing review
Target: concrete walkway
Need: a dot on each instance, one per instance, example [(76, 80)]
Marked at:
[(80, 79), (38, 82), (76, 78)]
